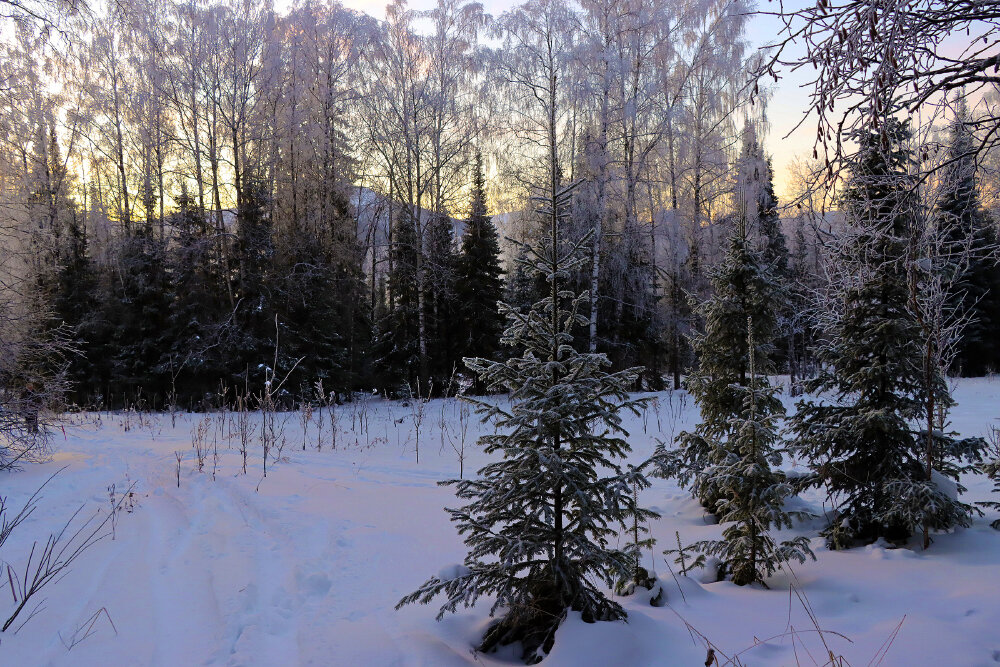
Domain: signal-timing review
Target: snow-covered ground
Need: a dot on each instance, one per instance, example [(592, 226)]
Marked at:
[(305, 566)]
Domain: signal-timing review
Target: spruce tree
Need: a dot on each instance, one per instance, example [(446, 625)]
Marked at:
[(63, 276), (991, 468), (629, 321), (970, 226), (797, 323), (478, 285), (441, 316), (541, 522), (49, 209), (677, 307), (757, 205), (197, 307), (863, 439), (744, 289), (397, 344), (251, 337), (75, 305), (352, 311), (320, 287), (751, 494), (772, 237), (521, 289), (137, 310)]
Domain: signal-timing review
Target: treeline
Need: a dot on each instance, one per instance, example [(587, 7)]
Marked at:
[(205, 167), (198, 318), (203, 197)]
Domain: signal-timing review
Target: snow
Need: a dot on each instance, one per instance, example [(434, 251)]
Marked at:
[(305, 566)]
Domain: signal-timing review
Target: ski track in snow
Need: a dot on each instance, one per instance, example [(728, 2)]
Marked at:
[(305, 566)]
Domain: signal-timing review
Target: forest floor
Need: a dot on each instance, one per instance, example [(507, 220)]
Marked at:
[(305, 566)]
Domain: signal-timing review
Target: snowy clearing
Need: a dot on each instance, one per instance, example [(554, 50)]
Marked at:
[(305, 566)]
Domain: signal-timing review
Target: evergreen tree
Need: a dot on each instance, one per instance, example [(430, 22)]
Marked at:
[(751, 494), (991, 468), (969, 224), (522, 288), (757, 206), (75, 306), (729, 456), (862, 439), (541, 521), (322, 318), (309, 323), (772, 238), (744, 291), (478, 285), (137, 310), (346, 296), (49, 209), (65, 276), (397, 341), (797, 322), (250, 339), (197, 308), (677, 307), (442, 309)]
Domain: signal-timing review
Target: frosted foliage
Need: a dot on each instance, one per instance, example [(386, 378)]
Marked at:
[(542, 521)]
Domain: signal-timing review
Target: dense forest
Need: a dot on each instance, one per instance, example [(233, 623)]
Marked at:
[(202, 197)]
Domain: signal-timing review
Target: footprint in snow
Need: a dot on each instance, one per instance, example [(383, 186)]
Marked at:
[(315, 585)]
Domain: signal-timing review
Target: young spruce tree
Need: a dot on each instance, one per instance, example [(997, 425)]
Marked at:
[(744, 289), (542, 522), (728, 458), (751, 494)]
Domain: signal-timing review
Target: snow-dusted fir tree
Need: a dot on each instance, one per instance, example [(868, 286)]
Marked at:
[(728, 458), (864, 438), (750, 493), (542, 522), (744, 289)]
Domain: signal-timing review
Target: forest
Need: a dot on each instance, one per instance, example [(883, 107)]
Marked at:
[(226, 207), (204, 195)]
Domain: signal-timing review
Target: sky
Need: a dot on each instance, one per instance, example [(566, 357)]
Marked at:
[(788, 103)]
